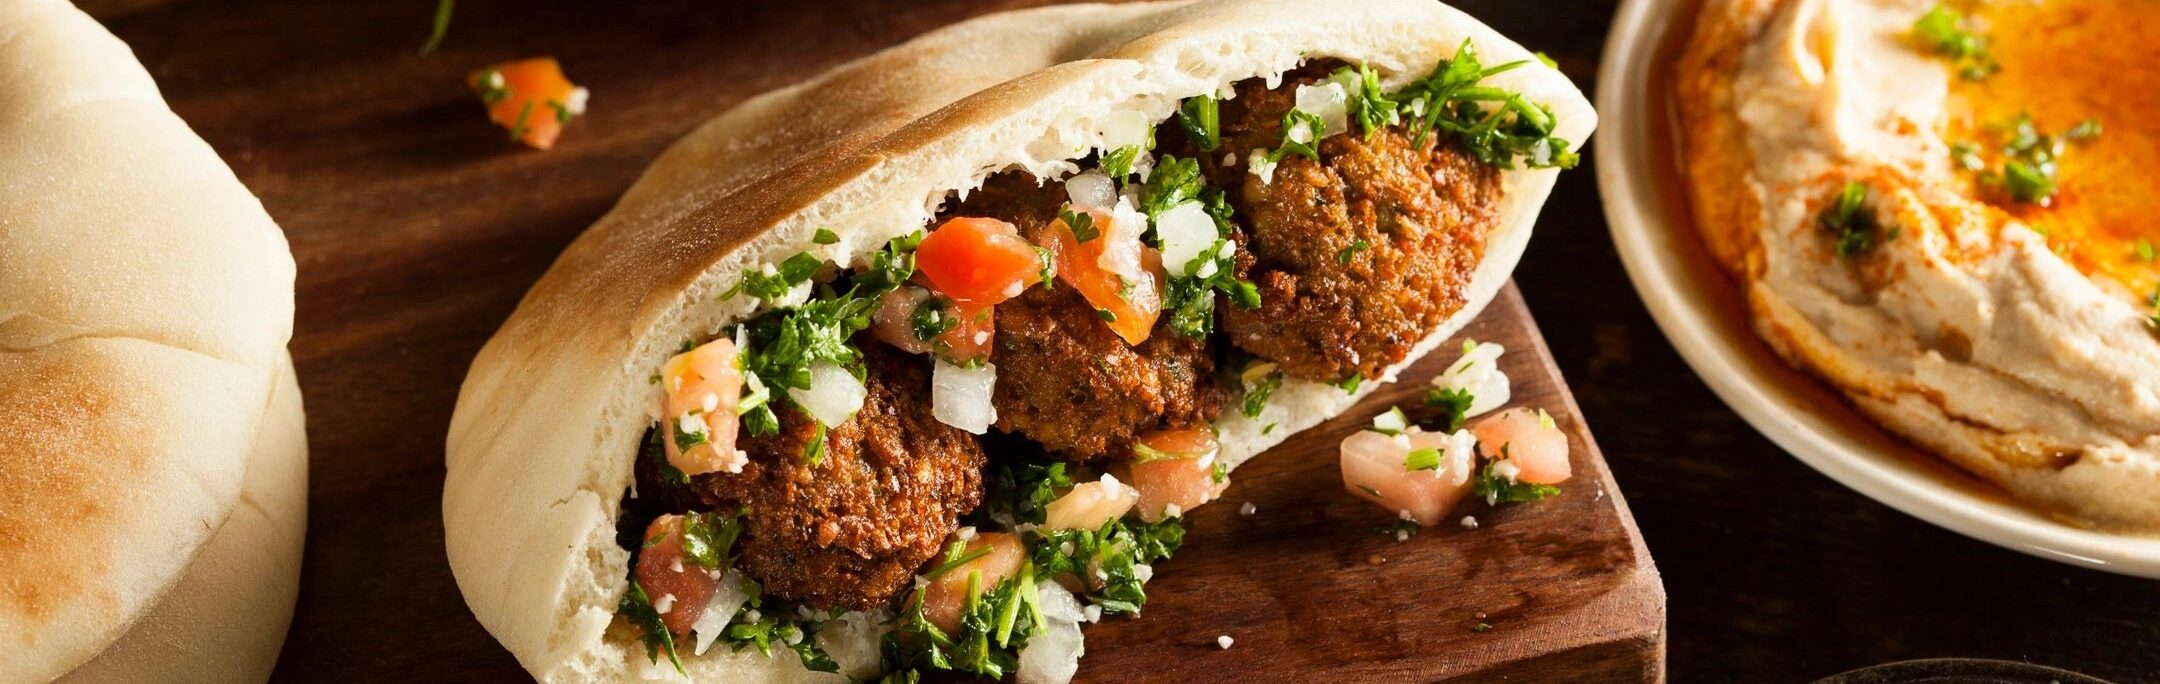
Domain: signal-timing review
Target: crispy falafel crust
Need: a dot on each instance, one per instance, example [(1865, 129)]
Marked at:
[(851, 528), (1359, 255)]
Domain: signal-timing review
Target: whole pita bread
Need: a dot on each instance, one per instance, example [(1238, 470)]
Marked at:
[(547, 424), (145, 303)]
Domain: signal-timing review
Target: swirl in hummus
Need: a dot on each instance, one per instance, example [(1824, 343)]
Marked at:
[(1953, 225)]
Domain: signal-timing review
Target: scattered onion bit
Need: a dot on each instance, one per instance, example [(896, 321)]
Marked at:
[(530, 97)]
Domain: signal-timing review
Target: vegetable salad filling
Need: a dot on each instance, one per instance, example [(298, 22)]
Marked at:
[(987, 433)]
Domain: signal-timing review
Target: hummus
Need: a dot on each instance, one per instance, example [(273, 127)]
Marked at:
[(2011, 334)]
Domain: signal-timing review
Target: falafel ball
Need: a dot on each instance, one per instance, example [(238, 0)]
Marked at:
[(1066, 380), (1357, 256), (852, 528)]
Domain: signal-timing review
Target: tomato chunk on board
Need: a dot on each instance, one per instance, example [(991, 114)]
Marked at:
[(530, 97)]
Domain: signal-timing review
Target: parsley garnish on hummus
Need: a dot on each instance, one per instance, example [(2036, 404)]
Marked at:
[(1850, 222), (2030, 159), (1945, 31)]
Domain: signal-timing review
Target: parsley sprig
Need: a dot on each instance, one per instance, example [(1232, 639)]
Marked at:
[(1497, 125), (638, 609), (1851, 223), (1945, 31)]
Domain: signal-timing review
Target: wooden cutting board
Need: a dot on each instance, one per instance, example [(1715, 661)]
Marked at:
[(417, 227)]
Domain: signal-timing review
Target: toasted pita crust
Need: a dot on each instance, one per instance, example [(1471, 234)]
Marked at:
[(145, 300), (541, 445), (225, 620)]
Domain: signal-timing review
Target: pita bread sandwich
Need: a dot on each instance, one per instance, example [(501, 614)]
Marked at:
[(914, 367)]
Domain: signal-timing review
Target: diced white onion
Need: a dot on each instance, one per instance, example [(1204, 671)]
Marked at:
[(1459, 458), (1121, 246), (834, 394), (1091, 190), (960, 397), (1187, 231), (1124, 128), (1053, 653), (1477, 372), (727, 598), (1328, 101)]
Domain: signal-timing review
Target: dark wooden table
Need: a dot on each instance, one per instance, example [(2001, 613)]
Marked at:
[(1774, 573)]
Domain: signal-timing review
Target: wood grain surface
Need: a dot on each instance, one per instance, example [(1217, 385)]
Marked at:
[(417, 227)]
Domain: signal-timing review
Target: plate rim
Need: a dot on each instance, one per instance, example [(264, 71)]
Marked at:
[(1626, 184)]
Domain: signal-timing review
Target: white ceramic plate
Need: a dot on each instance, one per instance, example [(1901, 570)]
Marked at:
[(1701, 312)]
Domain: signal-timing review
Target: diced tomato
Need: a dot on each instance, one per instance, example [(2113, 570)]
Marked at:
[(677, 588), (703, 386), (1090, 504), (978, 262), (968, 339), (1530, 439), (947, 596), (1180, 472), (1129, 308), (1374, 467), (530, 97)]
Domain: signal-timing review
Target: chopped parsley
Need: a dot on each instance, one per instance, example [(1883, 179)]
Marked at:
[(776, 624), (1967, 156), (638, 609), (1114, 550), (2145, 250), (2030, 159), (796, 270), (825, 236), (1496, 490), (1190, 299), (440, 27), (1343, 257), (1391, 423), (1256, 395), (1049, 267), (1118, 164), (1945, 31), (931, 318), (814, 450), (1299, 124), (1427, 458), (1082, 223), (2153, 302), (654, 449), (517, 130), (1219, 473), (1851, 224), (994, 627), (1454, 402), (1369, 106), (1482, 628), (1350, 384), (709, 538), (492, 86), (1201, 118), (781, 345), (1022, 489), (1451, 101)]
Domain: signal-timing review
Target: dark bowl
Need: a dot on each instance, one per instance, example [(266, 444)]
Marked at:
[(1960, 671)]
